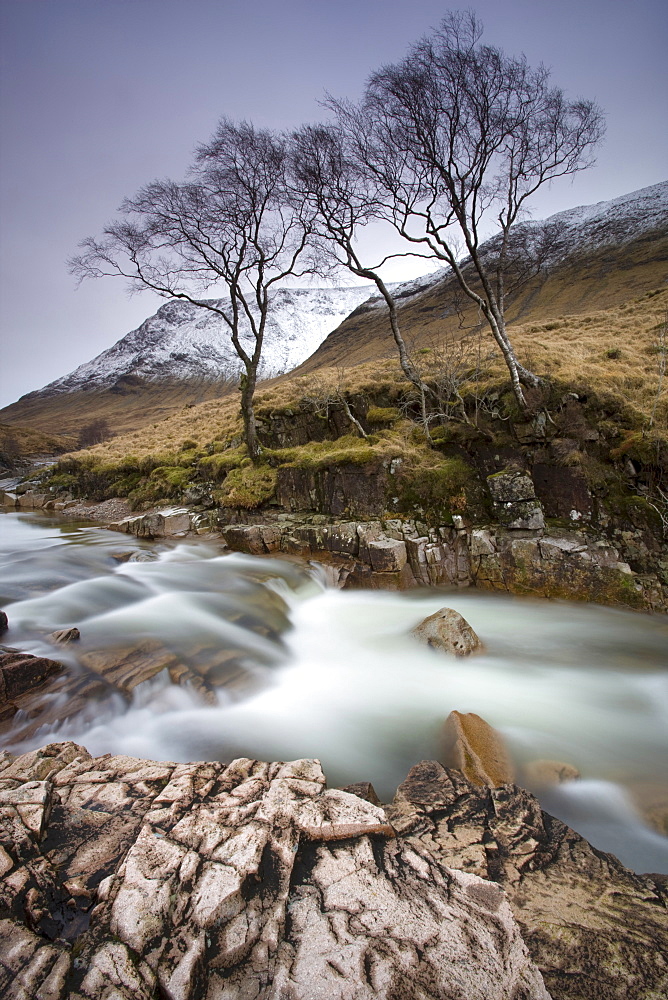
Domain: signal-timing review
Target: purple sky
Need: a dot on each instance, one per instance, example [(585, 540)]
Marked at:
[(100, 96)]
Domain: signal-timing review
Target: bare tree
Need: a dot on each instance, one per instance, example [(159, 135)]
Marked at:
[(457, 138), (344, 197), (661, 347), (327, 394), (94, 433), (232, 223)]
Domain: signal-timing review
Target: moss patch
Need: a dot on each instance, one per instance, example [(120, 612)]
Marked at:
[(436, 491), (218, 465), (382, 415), (315, 455), (248, 487)]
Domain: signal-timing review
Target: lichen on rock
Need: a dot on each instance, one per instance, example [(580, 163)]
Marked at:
[(133, 878), (447, 630)]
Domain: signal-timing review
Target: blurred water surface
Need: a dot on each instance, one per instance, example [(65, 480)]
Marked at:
[(289, 668)]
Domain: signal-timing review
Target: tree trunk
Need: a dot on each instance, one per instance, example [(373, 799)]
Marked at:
[(407, 366), (247, 388), (352, 418)]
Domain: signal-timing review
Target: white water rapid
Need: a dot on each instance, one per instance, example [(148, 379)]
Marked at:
[(335, 675)]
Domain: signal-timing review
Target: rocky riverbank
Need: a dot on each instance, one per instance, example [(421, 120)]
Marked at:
[(519, 551), (139, 879), (398, 554)]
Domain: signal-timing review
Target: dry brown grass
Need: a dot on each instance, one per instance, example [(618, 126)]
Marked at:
[(213, 421), (613, 351), (142, 404), (16, 441), (610, 351)]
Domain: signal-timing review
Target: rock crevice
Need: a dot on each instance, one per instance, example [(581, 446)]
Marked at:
[(135, 879)]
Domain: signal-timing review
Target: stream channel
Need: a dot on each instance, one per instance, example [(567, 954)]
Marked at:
[(291, 668)]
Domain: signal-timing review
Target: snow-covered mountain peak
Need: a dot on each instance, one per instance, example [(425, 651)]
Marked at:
[(617, 221), (182, 340)]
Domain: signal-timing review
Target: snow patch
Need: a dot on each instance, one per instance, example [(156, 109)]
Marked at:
[(185, 341)]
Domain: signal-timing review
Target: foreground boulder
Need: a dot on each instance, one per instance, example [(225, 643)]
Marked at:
[(594, 928), (130, 878), (447, 630)]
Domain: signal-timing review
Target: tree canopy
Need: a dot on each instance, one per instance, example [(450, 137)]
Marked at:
[(446, 146)]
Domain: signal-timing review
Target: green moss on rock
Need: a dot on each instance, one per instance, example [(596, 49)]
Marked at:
[(382, 415), (248, 487), (437, 491)]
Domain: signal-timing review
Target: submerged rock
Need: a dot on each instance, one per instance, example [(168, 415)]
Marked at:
[(549, 772), (447, 630), (139, 879), (65, 635), (477, 750)]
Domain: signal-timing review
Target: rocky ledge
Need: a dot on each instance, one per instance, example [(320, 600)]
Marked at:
[(393, 553), (344, 522), (131, 878)]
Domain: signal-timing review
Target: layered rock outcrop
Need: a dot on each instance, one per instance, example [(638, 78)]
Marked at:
[(594, 929), (402, 553), (131, 878)]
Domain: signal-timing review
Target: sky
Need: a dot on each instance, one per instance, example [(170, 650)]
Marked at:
[(98, 97)]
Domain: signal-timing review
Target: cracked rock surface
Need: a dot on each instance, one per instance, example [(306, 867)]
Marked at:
[(594, 928), (124, 878)]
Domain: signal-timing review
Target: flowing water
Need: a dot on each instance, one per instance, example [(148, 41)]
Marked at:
[(278, 666)]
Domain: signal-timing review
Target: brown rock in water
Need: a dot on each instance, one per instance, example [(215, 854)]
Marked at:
[(447, 630), (4, 624), (65, 635), (477, 750), (247, 880), (129, 665), (594, 928), (21, 672), (549, 772)]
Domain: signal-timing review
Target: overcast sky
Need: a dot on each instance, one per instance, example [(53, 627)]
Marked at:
[(101, 96)]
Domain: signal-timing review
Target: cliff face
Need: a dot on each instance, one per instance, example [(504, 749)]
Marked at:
[(254, 880)]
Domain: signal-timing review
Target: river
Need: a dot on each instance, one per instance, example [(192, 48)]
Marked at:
[(298, 669)]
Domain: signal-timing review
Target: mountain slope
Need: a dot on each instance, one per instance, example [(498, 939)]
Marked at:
[(180, 356), (600, 256), (184, 342)]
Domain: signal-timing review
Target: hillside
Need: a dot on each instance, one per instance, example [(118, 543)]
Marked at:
[(603, 257), (179, 356)]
